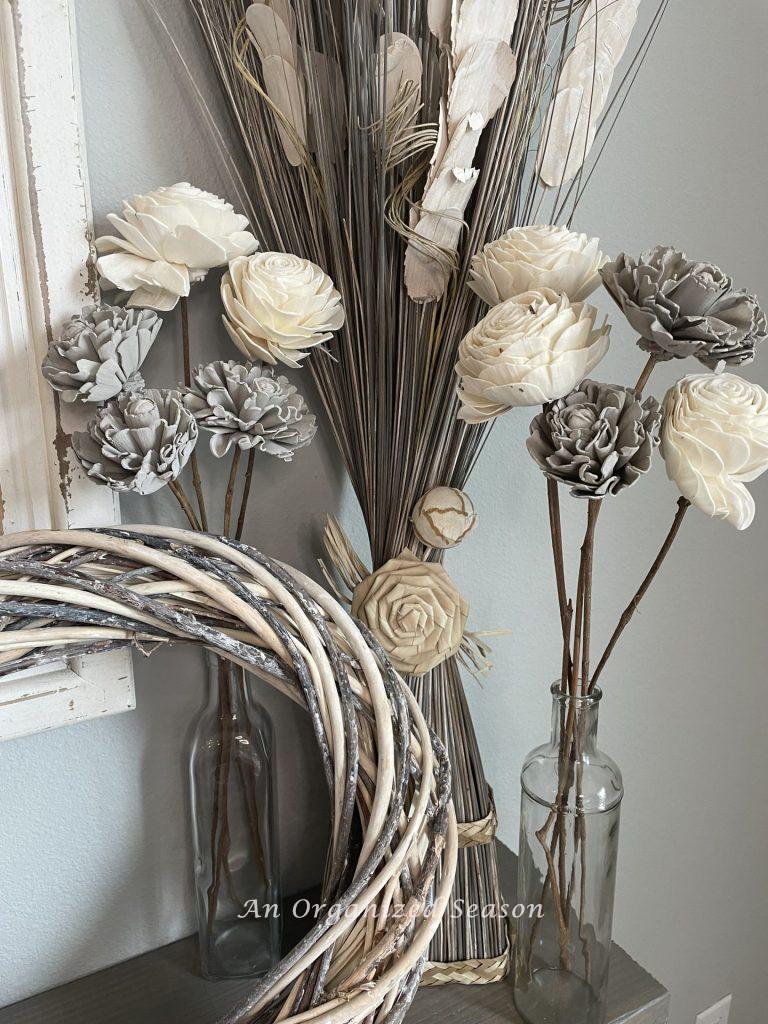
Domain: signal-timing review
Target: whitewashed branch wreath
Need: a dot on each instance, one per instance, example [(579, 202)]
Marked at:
[(67, 593)]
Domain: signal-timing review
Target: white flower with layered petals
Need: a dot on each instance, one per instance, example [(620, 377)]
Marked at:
[(529, 350), (278, 305), (714, 439), (169, 239), (534, 258)]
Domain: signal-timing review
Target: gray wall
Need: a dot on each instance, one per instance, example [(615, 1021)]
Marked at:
[(94, 832), (94, 842)]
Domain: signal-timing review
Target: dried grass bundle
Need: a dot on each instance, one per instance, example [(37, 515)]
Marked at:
[(391, 185)]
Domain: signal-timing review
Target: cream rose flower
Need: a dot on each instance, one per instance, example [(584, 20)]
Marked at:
[(170, 238), (528, 350), (278, 305), (415, 611), (533, 258), (714, 439)]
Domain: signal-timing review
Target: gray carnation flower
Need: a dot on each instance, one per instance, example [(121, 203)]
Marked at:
[(598, 440), (100, 352), (138, 442), (681, 308), (251, 407)]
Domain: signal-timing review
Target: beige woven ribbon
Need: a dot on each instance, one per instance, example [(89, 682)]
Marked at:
[(477, 833), (467, 972)]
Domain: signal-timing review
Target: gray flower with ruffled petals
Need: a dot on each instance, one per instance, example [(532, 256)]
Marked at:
[(249, 406), (100, 352), (597, 440), (682, 308), (138, 442)]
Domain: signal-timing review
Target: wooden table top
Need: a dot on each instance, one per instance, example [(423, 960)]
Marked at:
[(162, 987)]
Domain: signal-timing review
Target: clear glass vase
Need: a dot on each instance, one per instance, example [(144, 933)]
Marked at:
[(569, 834), (234, 829)]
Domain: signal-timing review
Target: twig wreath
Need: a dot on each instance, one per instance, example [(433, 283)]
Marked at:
[(70, 593)]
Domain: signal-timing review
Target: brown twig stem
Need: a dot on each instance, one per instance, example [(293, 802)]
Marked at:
[(246, 494), (185, 350), (556, 533), (230, 496), (642, 380), (592, 514), (178, 492), (565, 673), (682, 507), (587, 545)]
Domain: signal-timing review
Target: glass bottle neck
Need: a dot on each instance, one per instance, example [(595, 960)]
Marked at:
[(579, 715), (226, 693)]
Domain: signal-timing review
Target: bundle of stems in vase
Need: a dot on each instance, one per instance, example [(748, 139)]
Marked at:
[(537, 345)]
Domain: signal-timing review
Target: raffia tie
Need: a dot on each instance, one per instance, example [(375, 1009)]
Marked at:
[(466, 972), (481, 831)]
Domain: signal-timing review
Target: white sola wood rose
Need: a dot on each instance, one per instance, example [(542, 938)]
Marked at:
[(169, 239), (415, 611), (532, 258), (714, 439), (276, 306), (528, 350), (443, 517)]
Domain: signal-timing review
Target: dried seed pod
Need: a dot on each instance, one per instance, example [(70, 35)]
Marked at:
[(443, 517)]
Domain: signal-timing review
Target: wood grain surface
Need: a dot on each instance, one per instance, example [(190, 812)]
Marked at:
[(162, 987)]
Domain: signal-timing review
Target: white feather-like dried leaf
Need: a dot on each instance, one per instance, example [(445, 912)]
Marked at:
[(269, 33), (439, 20), (400, 57), (284, 88), (440, 224), (482, 83), (480, 86), (284, 11), (583, 88), (481, 21)]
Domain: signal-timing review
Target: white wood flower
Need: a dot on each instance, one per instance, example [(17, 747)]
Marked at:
[(276, 306), (169, 239), (528, 350), (714, 440), (415, 611), (533, 258)]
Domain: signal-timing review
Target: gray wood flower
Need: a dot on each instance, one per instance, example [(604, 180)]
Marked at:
[(100, 352), (249, 406), (138, 442), (597, 440), (682, 308)]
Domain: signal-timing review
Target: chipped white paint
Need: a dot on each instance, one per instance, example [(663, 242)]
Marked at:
[(44, 249)]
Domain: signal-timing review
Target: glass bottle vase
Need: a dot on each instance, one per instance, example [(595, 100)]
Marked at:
[(569, 833), (234, 829)]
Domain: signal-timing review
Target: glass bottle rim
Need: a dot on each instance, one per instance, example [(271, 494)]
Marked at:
[(577, 701)]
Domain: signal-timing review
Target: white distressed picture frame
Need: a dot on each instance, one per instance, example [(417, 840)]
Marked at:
[(45, 275)]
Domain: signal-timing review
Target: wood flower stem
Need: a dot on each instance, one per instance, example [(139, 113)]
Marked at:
[(556, 533), (642, 380), (592, 514), (230, 496), (578, 632), (178, 492), (246, 494), (682, 507), (185, 352)]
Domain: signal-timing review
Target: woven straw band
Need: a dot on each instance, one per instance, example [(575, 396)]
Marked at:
[(477, 833), (466, 972)]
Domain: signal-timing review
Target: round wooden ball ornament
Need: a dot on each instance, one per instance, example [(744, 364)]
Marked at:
[(443, 517), (393, 852)]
